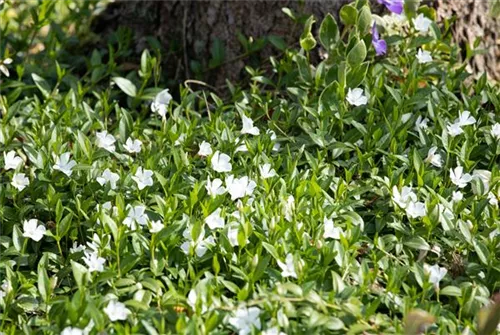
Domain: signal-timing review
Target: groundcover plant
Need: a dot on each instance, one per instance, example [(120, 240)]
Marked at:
[(353, 194)]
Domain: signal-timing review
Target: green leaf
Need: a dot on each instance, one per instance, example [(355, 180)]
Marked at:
[(418, 164), (126, 86), (329, 32), (271, 250), (488, 319), (416, 320), (465, 230), (364, 20), (80, 274), (482, 252), (43, 279), (111, 224), (451, 291), (328, 100), (278, 42), (348, 15), (356, 76), (218, 53), (64, 225), (84, 144), (357, 54), (418, 243), (495, 9), (307, 41), (126, 124), (42, 85)]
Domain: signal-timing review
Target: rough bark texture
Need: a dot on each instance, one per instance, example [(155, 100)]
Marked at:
[(473, 21), (188, 28)]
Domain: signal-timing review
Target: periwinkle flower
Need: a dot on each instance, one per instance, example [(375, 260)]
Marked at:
[(380, 45), (395, 6)]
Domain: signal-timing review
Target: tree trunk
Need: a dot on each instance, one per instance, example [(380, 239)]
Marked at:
[(191, 30), (474, 21), (200, 38)]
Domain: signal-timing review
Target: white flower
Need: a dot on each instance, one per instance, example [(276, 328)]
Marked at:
[(248, 127), (288, 208), (266, 171), (241, 148), (215, 188), (156, 226), (180, 139), (20, 181), (95, 243), (356, 97), (105, 141), (273, 331), (64, 164), (465, 119), (445, 215), (72, 331), (421, 123), (133, 146), (405, 117), (93, 261), (232, 235), (4, 68), (458, 178), (143, 178), (32, 230), (405, 197), (221, 162), (495, 131), (201, 244), (457, 196), (245, 319), (435, 273), (136, 214), (192, 299), (288, 268), (494, 234), (108, 177), (454, 129), (116, 311), (484, 176), (422, 23), (330, 230), (492, 199), (424, 56), (239, 187), (433, 158), (415, 209), (76, 247), (161, 102), (205, 149), (12, 161), (272, 135), (5, 289), (214, 220)]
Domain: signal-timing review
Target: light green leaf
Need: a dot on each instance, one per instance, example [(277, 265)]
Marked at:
[(126, 86), (328, 32), (357, 54)]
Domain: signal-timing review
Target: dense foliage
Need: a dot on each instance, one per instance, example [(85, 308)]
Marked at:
[(352, 194)]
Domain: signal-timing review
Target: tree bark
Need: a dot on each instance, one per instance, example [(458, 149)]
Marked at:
[(188, 30), (473, 20)]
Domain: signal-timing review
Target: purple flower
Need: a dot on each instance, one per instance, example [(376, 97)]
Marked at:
[(379, 45), (395, 6)]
